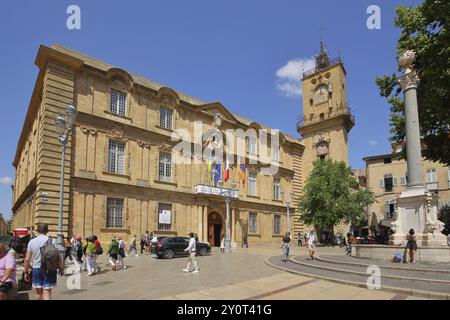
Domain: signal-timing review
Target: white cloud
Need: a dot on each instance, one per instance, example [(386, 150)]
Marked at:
[(5, 180), (372, 142), (290, 75)]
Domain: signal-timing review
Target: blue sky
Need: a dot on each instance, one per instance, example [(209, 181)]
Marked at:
[(227, 51)]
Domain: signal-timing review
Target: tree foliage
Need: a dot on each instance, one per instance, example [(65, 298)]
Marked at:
[(331, 196), (424, 29), (444, 216)]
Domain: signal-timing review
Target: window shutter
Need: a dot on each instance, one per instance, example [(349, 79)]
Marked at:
[(403, 180), (394, 181), (381, 183)]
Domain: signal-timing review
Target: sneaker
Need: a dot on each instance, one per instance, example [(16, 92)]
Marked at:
[(137, 255), (185, 270), (195, 271), (124, 267)]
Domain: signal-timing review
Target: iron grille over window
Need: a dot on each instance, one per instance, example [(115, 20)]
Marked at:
[(165, 166), (165, 118), (118, 102), (116, 157), (114, 215), (252, 227), (276, 224)]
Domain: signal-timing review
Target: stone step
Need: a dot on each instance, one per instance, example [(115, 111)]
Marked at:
[(410, 286)]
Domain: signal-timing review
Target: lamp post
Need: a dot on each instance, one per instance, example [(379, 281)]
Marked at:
[(64, 125), (288, 207), (228, 194)]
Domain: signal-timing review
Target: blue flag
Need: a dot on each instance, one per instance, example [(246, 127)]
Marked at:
[(217, 175)]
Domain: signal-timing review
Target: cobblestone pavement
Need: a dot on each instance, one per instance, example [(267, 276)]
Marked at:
[(241, 274)]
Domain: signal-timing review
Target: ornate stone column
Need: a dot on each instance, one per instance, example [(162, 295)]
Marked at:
[(409, 81), (416, 206)]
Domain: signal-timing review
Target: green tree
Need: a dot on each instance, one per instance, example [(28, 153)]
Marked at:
[(426, 30), (331, 196), (444, 216)]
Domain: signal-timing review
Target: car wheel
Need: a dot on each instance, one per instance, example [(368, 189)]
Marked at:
[(168, 254), (203, 252)]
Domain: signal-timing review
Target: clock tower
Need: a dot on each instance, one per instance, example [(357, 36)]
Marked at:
[(326, 119)]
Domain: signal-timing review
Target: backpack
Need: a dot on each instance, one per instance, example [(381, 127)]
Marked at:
[(99, 251), (49, 257), (114, 249)]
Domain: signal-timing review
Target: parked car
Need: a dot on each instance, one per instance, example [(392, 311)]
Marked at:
[(155, 241), (169, 247)]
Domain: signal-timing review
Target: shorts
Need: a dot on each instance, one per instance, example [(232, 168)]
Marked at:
[(411, 245), (113, 256), (4, 288), (46, 281), (311, 247), (122, 253)]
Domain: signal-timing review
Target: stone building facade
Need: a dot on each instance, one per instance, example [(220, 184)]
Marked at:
[(3, 226), (387, 175), (120, 173)]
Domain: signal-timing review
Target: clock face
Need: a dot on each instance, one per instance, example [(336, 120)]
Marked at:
[(322, 149), (321, 94)]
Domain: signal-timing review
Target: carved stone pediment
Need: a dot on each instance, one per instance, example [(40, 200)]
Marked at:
[(116, 132), (143, 144)]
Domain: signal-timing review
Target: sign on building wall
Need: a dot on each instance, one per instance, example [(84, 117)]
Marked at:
[(164, 216), (209, 190)]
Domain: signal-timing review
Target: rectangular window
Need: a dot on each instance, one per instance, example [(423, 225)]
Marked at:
[(251, 143), (387, 160), (276, 153), (388, 183), (116, 157), (165, 118), (432, 183), (114, 213), (252, 184), (164, 216), (389, 208), (276, 189), (252, 226), (276, 224), (118, 102), (165, 166)]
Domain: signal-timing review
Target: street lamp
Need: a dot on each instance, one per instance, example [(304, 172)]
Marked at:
[(63, 129), (288, 205), (228, 194)]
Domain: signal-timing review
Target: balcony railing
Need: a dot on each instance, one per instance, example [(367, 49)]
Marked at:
[(333, 62), (333, 113)]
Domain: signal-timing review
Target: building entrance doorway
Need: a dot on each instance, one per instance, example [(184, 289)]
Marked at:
[(214, 229)]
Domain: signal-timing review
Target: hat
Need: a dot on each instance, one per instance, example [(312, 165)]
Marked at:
[(78, 238), (120, 237)]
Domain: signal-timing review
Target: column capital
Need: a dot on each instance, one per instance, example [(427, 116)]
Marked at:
[(409, 80)]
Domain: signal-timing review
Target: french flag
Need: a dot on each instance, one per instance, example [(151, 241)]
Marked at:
[(227, 172)]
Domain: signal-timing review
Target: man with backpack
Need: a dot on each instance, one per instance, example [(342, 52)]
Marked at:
[(77, 253), (113, 252), (47, 264)]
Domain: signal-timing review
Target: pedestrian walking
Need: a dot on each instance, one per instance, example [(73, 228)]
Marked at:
[(286, 245), (90, 249), (244, 241), (351, 241), (133, 246), (77, 254), (98, 252), (113, 252), (192, 250), (299, 239), (411, 246), (222, 246), (312, 238), (46, 262), (142, 243), (7, 272), (68, 252), (121, 255)]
